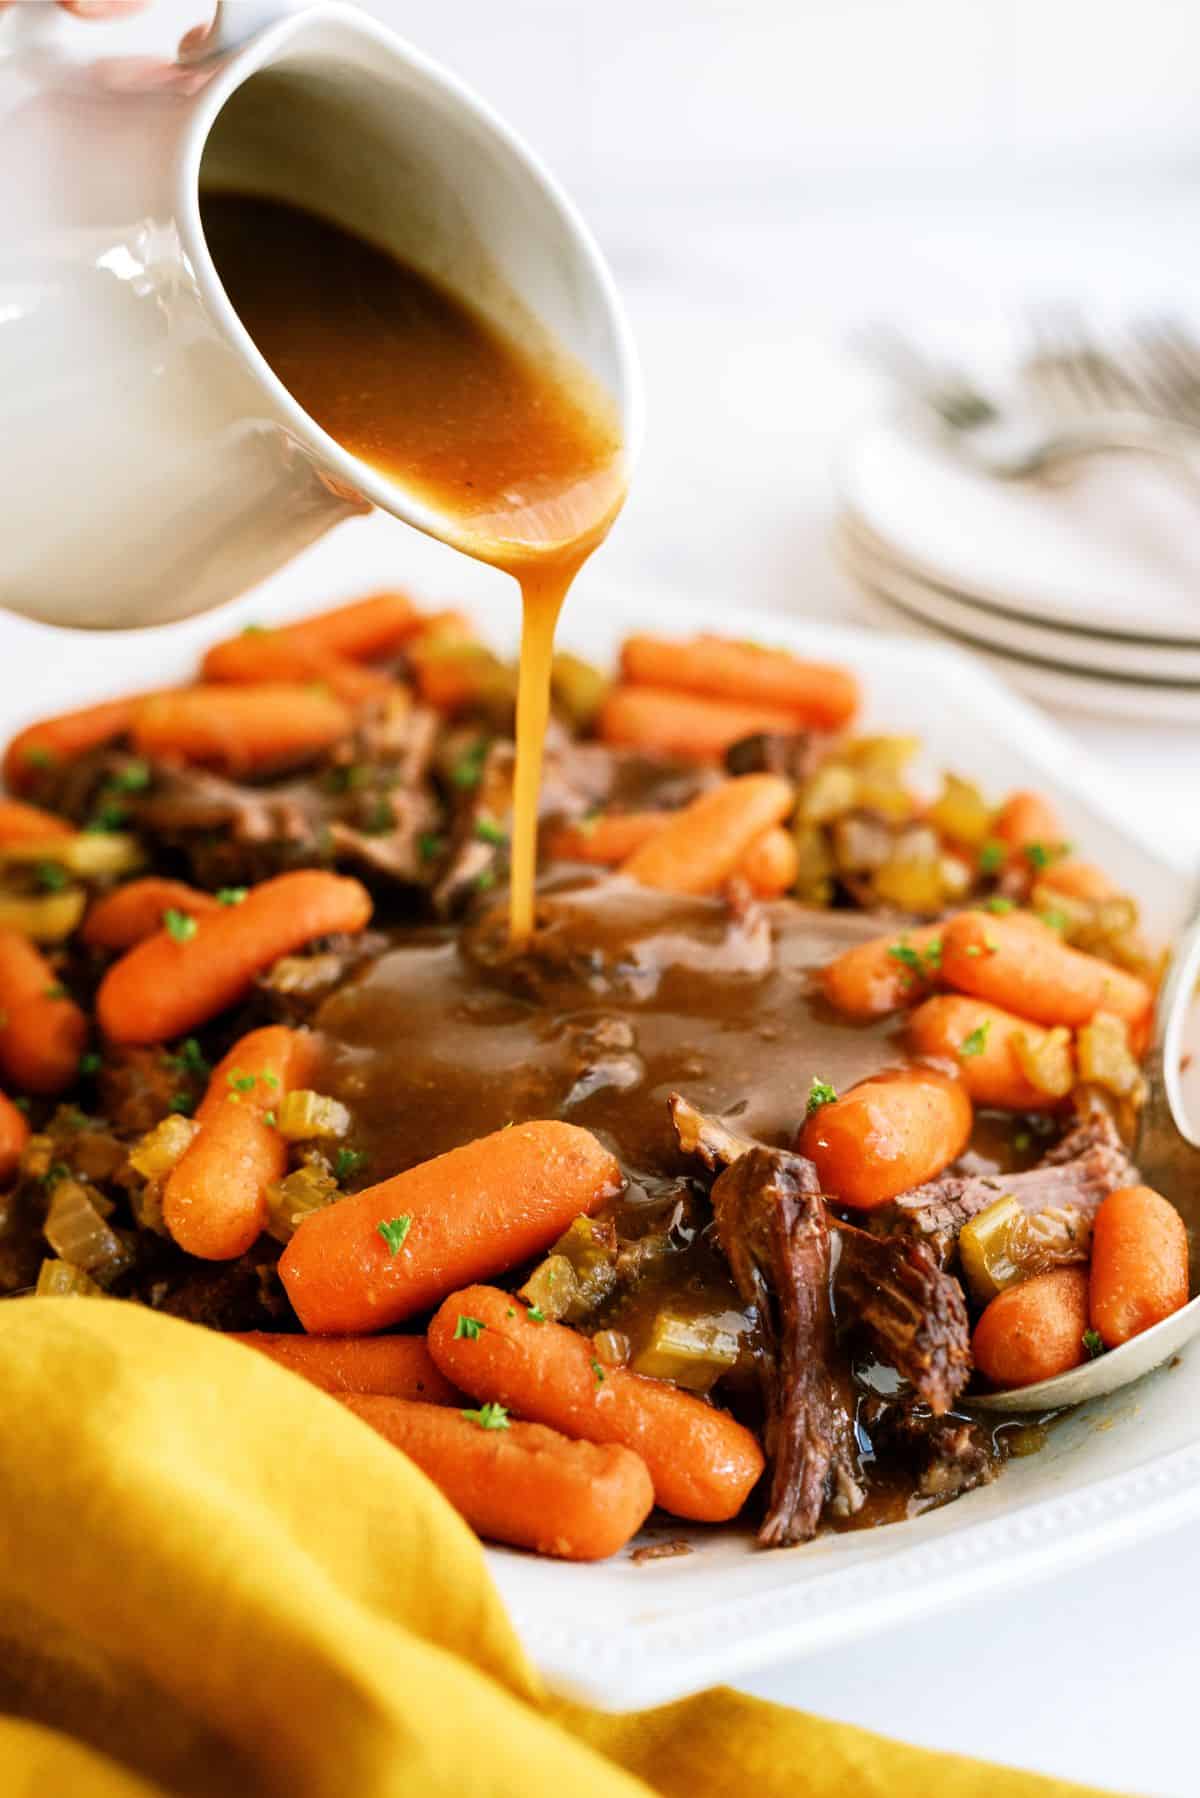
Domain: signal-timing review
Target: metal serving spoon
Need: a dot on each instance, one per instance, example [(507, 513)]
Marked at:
[(1168, 1156)]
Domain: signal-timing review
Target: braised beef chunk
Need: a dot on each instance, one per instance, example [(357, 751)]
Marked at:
[(946, 1455), (896, 1298), (1069, 1184), (774, 1230), (795, 755)]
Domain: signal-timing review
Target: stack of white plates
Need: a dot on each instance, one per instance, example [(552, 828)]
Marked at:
[(1085, 593)]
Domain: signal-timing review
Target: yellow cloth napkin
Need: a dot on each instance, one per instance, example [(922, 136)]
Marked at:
[(216, 1582)]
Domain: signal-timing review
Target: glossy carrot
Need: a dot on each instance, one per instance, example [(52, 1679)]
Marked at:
[(397, 1248), (386, 1366), (886, 1134), (21, 823), (303, 650), (132, 912), (1139, 1272), (1019, 963), (352, 682), (14, 1134), (1035, 1330), (771, 864), (817, 694), (884, 974), (215, 1199), (240, 729), (664, 721), (605, 841), (703, 1463), (52, 741), (520, 1482), (1079, 880), (980, 1040), (1026, 819), (164, 987), (701, 847), (42, 1030)]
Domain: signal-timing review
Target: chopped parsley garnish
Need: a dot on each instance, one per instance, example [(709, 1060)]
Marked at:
[(254, 630), (989, 946), (38, 756), (536, 1315), (1093, 1342), (511, 1312), (58, 1170), (184, 1103), (1040, 855), (933, 954), (589, 824), (347, 1162), (819, 1093), (394, 1231), (976, 1041), (467, 771), (106, 818), (488, 831), (992, 856), (271, 1080), (485, 881), (380, 819), (430, 846), (241, 1083), (269, 1117), (999, 904), (599, 1373), (468, 1329), (50, 877), (904, 952), (489, 1417), (1055, 919), (21, 1104), (56, 992), (134, 777), (231, 895), (1022, 1142), (178, 925), (189, 1059), (347, 779)]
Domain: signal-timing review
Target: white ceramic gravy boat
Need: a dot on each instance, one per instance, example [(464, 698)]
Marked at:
[(151, 464)]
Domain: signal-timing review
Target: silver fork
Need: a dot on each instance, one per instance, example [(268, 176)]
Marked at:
[(1073, 403)]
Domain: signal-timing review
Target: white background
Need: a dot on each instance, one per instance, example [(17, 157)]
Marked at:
[(766, 174)]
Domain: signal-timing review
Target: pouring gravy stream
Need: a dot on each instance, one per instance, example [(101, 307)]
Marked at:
[(516, 446)]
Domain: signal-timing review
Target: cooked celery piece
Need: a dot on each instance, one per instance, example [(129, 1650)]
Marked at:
[(1105, 1058), (59, 1280), (985, 1246), (591, 1251), (692, 1351), (827, 794), (307, 1189), (579, 689), (612, 1347), (46, 917), (76, 1230), (961, 812), (553, 1286), (306, 1116), (89, 853), (1050, 1065), (164, 1147)]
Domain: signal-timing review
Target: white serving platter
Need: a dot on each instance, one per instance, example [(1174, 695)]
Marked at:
[(621, 1633)]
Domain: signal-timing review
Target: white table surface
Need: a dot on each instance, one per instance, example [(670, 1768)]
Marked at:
[(761, 188)]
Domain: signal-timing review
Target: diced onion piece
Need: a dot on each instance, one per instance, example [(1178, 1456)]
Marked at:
[(1106, 1059), (46, 917), (985, 1246), (692, 1351), (89, 853), (827, 794), (306, 1116), (1048, 1064), (961, 812), (59, 1280), (146, 1204), (553, 1286), (77, 1232), (612, 1347), (163, 1148), (307, 1189)]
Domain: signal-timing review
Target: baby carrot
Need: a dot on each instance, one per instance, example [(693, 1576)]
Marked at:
[(874, 978), (605, 841), (54, 740), (771, 864), (42, 1030), (387, 1366), (1026, 820), (886, 1134), (520, 1482), (215, 1199), (397, 1248), (981, 1042), (702, 1462), (14, 1134), (664, 721), (172, 982), (20, 823), (815, 693), (701, 847), (1035, 1330), (303, 650), (119, 919), (1139, 1264), (240, 729), (1079, 880), (1021, 964)]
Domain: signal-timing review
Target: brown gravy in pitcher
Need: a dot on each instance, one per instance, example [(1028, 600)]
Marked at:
[(521, 452)]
